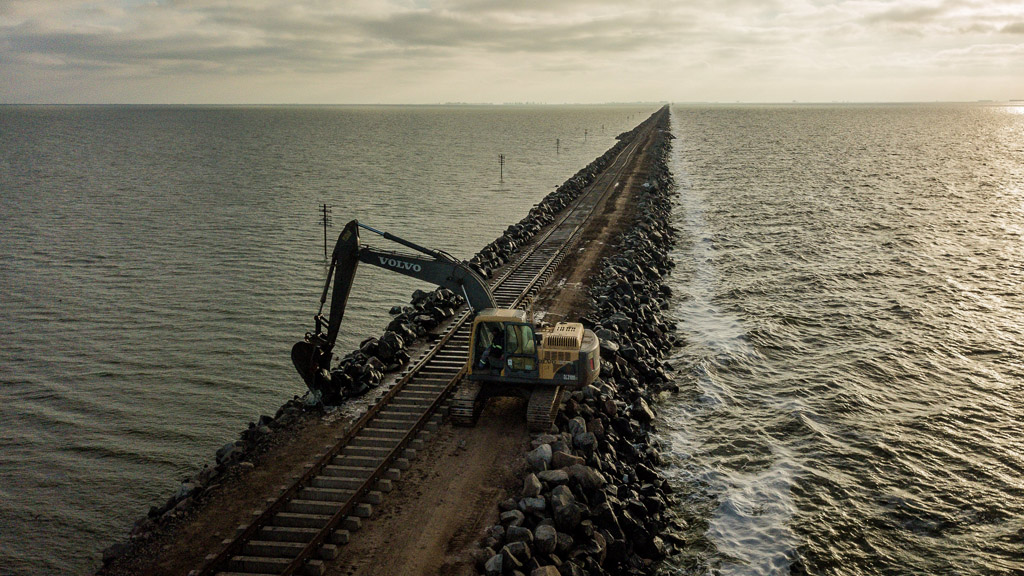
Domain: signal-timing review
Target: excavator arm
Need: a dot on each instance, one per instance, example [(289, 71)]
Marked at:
[(436, 267)]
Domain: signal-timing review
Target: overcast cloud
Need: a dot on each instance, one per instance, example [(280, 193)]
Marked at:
[(419, 51)]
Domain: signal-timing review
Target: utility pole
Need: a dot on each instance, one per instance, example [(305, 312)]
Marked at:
[(501, 164), (558, 146), (325, 218)]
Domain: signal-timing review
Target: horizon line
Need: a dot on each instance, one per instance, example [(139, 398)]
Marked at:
[(512, 104)]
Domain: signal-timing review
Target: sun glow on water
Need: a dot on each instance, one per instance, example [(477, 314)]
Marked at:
[(851, 381)]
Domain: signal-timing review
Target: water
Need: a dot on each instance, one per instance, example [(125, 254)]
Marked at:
[(849, 283), (157, 264)]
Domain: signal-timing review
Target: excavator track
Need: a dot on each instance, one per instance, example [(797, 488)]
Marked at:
[(309, 522), (542, 407), (465, 406)]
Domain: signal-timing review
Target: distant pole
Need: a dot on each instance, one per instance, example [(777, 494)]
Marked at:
[(325, 218), (501, 164), (558, 146)]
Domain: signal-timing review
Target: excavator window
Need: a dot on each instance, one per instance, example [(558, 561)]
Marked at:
[(521, 350), (501, 345), (520, 339), (511, 339), (491, 345), (529, 342)]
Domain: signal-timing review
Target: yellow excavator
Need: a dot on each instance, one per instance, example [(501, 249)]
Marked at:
[(508, 354)]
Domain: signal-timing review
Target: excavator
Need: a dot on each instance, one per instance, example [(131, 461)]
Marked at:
[(509, 355)]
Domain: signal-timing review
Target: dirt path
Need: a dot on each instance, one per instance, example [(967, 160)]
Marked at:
[(566, 298), (431, 522)]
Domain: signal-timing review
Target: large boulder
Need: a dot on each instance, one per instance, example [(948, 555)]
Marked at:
[(586, 477), (568, 517), (552, 477), (531, 486), (545, 538), (494, 566), (562, 459), (539, 458)]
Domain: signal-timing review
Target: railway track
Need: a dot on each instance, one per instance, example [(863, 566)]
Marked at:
[(313, 517)]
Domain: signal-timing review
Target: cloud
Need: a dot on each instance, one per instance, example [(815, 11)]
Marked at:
[(947, 18), (1014, 28), (443, 49), (916, 15), (270, 36)]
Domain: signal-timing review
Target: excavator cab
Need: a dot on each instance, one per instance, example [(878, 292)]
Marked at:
[(504, 347)]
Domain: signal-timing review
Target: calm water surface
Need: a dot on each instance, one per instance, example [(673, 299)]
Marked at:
[(157, 264), (850, 284)]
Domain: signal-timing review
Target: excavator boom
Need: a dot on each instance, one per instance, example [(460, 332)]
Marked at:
[(438, 268)]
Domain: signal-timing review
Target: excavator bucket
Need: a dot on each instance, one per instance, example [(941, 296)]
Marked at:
[(313, 366), (306, 358)]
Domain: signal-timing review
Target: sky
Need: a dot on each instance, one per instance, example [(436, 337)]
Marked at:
[(501, 51)]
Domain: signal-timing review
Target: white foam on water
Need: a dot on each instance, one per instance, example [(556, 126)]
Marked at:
[(750, 527), (703, 321)]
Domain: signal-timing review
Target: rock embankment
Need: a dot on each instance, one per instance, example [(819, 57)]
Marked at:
[(593, 501), (361, 369)]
